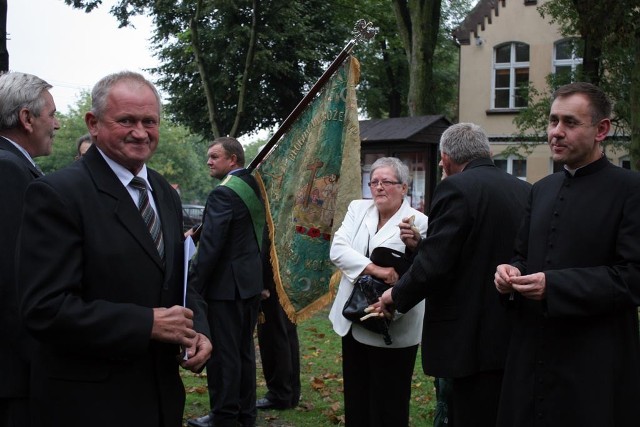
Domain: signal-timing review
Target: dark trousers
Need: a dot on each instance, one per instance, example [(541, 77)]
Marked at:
[(280, 353), (443, 398), (377, 384), (14, 412), (474, 399), (231, 371)]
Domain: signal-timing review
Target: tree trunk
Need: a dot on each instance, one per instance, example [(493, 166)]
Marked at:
[(394, 98), (248, 65), (418, 22), (202, 70), (595, 20)]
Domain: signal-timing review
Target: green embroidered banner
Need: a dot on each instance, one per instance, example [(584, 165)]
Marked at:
[(308, 180)]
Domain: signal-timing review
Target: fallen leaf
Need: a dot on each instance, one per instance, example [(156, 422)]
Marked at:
[(317, 383)]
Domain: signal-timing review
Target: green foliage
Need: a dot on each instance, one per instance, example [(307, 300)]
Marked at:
[(384, 82), (294, 42), (181, 159), (252, 149), (384, 79), (72, 127), (294, 45)]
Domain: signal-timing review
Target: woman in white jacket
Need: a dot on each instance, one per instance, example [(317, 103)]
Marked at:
[(377, 376)]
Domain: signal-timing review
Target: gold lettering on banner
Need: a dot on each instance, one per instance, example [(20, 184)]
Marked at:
[(295, 149), (313, 264), (334, 116)]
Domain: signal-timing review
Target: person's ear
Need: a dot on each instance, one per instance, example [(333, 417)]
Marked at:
[(25, 117), (603, 128), (91, 121)]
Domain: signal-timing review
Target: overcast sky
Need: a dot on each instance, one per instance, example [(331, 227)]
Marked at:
[(71, 49)]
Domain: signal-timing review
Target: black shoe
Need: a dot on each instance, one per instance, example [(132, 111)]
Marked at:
[(205, 421), (265, 403)]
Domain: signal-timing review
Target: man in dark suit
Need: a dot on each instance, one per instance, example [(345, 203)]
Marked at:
[(27, 128), (475, 214), (574, 284), (100, 285), (227, 270)]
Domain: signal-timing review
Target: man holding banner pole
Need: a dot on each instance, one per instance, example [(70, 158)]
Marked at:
[(227, 271)]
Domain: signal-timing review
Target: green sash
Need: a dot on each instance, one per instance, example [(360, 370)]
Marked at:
[(251, 200)]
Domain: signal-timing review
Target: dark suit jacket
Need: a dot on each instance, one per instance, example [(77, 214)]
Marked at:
[(473, 222), (228, 264), (16, 172), (90, 275)]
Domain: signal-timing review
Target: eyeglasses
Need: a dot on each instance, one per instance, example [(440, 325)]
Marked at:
[(385, 184)]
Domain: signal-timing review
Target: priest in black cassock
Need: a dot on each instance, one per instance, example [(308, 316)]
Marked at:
[(574, 286)]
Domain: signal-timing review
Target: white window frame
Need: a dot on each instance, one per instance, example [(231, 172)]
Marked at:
[(572, 62), (552, 168), (512, 66), (625, 158), (510, 160)]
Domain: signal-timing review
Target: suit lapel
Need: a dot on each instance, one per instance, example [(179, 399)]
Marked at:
[(390, 229), (6, 145), (371, 223), (123, 207)]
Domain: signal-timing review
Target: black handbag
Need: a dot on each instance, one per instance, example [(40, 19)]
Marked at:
[(367, 290)]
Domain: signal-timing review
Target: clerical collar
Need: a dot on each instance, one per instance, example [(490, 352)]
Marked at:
[(572, 172)]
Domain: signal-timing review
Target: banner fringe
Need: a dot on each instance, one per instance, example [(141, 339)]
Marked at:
[(288, 308)]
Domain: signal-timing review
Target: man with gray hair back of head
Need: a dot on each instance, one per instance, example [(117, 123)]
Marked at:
[(464, 142), (27, 128), (474, 217)]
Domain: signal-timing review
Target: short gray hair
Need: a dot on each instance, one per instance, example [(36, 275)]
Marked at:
[(400, 169), (101, 89), (18, 91), (464, 142)]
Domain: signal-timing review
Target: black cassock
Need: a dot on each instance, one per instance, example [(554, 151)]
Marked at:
[(574, 358)]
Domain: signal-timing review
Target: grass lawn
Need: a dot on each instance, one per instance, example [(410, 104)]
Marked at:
[(321, 377)]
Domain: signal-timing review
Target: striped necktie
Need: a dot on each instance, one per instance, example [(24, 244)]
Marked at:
[(148, 214)]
